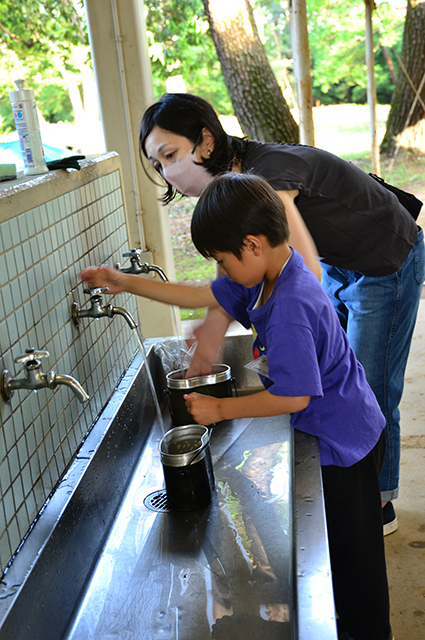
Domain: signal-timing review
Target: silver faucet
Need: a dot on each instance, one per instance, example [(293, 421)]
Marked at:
[(136, 268), (98, 310), (35, 379)]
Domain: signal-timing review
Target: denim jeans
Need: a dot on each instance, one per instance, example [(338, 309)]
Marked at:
[(379, 315)]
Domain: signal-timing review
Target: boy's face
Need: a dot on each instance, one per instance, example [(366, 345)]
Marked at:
[(248, 271)]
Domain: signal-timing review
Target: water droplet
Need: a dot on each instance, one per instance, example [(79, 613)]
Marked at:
[(165, 630), (417, 544)]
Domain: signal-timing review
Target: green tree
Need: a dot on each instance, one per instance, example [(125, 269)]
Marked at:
[(256, 96), (337, 48), (180, 45), (40, 41), (406, 122)]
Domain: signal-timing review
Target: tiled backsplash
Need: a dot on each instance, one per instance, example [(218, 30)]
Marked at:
[(41, 253)]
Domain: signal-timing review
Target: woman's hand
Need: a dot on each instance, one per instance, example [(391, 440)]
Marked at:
[(204, 409), (104, 276)]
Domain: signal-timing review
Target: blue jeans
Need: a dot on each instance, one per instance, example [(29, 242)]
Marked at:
[(379, 316)]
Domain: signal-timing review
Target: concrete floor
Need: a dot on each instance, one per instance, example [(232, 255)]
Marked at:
[(405, 548)]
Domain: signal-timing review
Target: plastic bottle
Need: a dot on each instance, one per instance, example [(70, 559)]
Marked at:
[(28, 128)]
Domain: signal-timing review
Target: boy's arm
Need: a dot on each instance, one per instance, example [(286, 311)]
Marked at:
[(182, 295), (210, 335), (300, 237), (207, 410)]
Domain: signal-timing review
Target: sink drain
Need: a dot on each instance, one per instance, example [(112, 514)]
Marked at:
[(157, 501)]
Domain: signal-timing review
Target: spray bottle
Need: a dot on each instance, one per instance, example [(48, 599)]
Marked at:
[(27, 126)]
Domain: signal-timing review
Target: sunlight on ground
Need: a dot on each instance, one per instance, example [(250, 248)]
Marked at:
[(344, 128), (340, 128)]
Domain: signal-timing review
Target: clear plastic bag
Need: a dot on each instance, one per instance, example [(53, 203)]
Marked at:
[(175, 354)]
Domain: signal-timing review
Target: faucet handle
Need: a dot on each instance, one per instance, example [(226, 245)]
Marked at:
[(31, 354), (133, 253), (96, 291)]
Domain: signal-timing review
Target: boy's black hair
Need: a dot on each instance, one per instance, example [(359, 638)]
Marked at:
[(187, 115), (233, 206)]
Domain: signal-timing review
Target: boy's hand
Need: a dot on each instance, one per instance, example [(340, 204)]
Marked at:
[(204, 409), (210, 335), (104, 276), (199, 366)]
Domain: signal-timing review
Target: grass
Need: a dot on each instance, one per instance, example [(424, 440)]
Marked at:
[(407, 172), (340, 129), (190, 266)]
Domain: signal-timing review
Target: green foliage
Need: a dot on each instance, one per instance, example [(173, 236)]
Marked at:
[(34, 36), (337, 46), (179, 44), (30, 27), (56, 104), (337, 49)]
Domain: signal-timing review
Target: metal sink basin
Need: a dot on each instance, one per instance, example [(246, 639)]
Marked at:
[(107, 560)]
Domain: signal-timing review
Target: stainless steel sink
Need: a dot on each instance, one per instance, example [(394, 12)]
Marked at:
[(106, 559)]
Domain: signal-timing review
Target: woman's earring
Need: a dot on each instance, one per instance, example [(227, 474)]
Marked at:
[(209, 152)]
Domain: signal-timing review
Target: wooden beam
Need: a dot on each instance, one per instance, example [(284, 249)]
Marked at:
[(371, 87)]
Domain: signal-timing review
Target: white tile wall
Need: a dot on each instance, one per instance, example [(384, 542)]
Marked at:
[(41, 253)]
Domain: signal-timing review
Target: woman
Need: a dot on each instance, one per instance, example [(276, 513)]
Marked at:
[(371, 251)]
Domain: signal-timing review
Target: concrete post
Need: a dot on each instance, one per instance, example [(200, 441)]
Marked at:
[(124, 83)]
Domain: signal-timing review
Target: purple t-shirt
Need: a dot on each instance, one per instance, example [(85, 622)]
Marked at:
[(308, 354)]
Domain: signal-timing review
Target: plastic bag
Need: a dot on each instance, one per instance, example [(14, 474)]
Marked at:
[(175, 354)]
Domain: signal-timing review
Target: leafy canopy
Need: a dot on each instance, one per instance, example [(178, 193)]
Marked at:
[(35, 39), (38, 39)]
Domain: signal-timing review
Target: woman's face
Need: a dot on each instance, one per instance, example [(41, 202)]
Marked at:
[(177, 160), (164, 148)]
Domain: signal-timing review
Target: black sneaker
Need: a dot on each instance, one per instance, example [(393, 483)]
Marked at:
[(389, 518)]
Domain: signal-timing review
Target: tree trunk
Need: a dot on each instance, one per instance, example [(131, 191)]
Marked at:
[(255, 94), (411, 136)]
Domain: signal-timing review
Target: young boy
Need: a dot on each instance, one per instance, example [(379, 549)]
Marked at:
[(308, 370)]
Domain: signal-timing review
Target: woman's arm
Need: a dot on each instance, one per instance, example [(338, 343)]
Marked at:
[(182, 295), (300, 237), (207, 410)]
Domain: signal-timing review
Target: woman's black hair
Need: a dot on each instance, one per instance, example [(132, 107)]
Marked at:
[(233, 206), (187, 115)]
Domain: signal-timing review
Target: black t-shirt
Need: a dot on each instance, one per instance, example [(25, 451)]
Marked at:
[(355, 222)]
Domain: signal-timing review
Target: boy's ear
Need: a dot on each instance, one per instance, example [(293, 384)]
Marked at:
[(253, 243)]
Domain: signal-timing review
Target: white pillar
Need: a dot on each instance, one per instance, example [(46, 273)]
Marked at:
[(301, 53), (124, 83), (371, 88)]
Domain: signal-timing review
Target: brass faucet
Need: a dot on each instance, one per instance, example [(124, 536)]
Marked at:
[(35, 379)]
